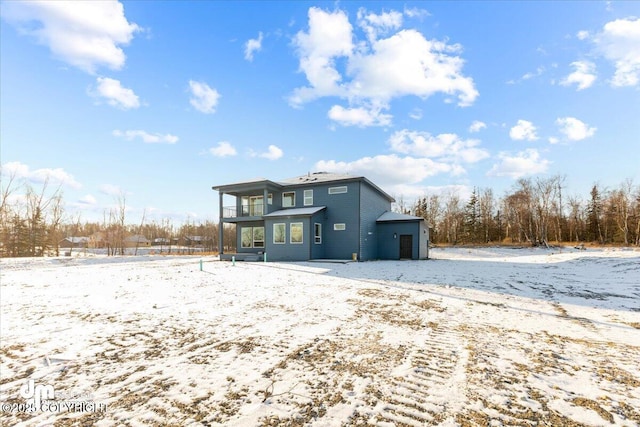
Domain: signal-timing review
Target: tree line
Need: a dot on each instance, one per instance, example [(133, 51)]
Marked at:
[(533, 212), (33, 222)]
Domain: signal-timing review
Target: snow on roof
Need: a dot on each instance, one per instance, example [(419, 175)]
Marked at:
[(314, 177), (396, 216)]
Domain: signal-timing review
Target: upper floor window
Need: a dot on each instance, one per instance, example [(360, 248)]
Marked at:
[(338, 190), (308, 197), (288, 199)]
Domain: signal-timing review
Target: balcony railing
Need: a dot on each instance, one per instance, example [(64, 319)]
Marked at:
[(256, 209)]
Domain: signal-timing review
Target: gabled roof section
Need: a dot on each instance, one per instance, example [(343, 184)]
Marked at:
[(396, 216), (295, 212), (329, 177)]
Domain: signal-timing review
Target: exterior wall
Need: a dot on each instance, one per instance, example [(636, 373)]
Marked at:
[(341, 209), (424, 240), (317, 250), (389, 248), (372, 205), (289, 251)]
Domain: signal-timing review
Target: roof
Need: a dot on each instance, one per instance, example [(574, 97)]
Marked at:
[(310, 178), (295, 212), (317, 177), (77, 239), (395, 216)]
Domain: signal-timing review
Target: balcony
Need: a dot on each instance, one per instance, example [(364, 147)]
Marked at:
[(256, 209)]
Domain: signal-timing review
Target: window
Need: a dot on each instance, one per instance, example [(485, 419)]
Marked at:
[(258, 237), (340, 227), (317, 233), (246, 237), (252, 205), (338, 190), (279, 234), (308, 197), (295, 231), (288, 200), (270, 199), (252, 237)]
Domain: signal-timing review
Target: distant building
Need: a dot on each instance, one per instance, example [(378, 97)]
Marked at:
[(136, 240), (74, 242)]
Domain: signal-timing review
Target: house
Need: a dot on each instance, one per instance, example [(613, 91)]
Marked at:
[(74, 242), (136, 241), (161, 241), (319, 216)]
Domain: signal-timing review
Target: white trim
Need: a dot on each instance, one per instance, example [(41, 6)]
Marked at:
[(284, 233), (308, 199), (301, 233), (338, 190), (317, 237), (293, 205)]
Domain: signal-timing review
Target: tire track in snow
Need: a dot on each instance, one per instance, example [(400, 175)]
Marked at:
[(430, 393)]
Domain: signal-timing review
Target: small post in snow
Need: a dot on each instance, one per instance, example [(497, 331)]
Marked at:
[(200, 264), (233, 260)]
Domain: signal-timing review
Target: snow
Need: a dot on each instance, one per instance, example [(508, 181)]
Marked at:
[(487, 336)]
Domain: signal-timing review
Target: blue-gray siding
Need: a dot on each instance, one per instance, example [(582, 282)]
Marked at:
[(372, 205)]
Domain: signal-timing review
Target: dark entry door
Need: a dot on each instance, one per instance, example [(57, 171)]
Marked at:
[(406, 246)]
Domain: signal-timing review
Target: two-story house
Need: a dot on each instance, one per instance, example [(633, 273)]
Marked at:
[(319, 216)]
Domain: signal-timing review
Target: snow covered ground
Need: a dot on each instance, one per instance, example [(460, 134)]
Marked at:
[(473, 337)]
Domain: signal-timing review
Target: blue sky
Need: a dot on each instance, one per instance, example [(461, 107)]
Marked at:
[(161, 100)]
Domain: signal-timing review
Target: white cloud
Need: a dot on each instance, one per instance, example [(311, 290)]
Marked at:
[(57, 176), (252, 46), (416, 114), (374, 25), (85, 34), (111, 190), (146, 137), (414, 12), (448, 147), (223, 149), (273, 153), (203, 98), (477, 126), (619, 42), (523, 130), (87, 200), (115, 94), (376, 70), (583, 75), (524, 163), (574, 129), (386, 170), (582, 35), (553, 140), (358, 116)]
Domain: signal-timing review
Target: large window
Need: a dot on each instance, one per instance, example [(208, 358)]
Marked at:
[(288, 199), (308, 197), (279, 234), (295, 232), (252, 205), (317, 233), (252, 237), (247, 237)]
